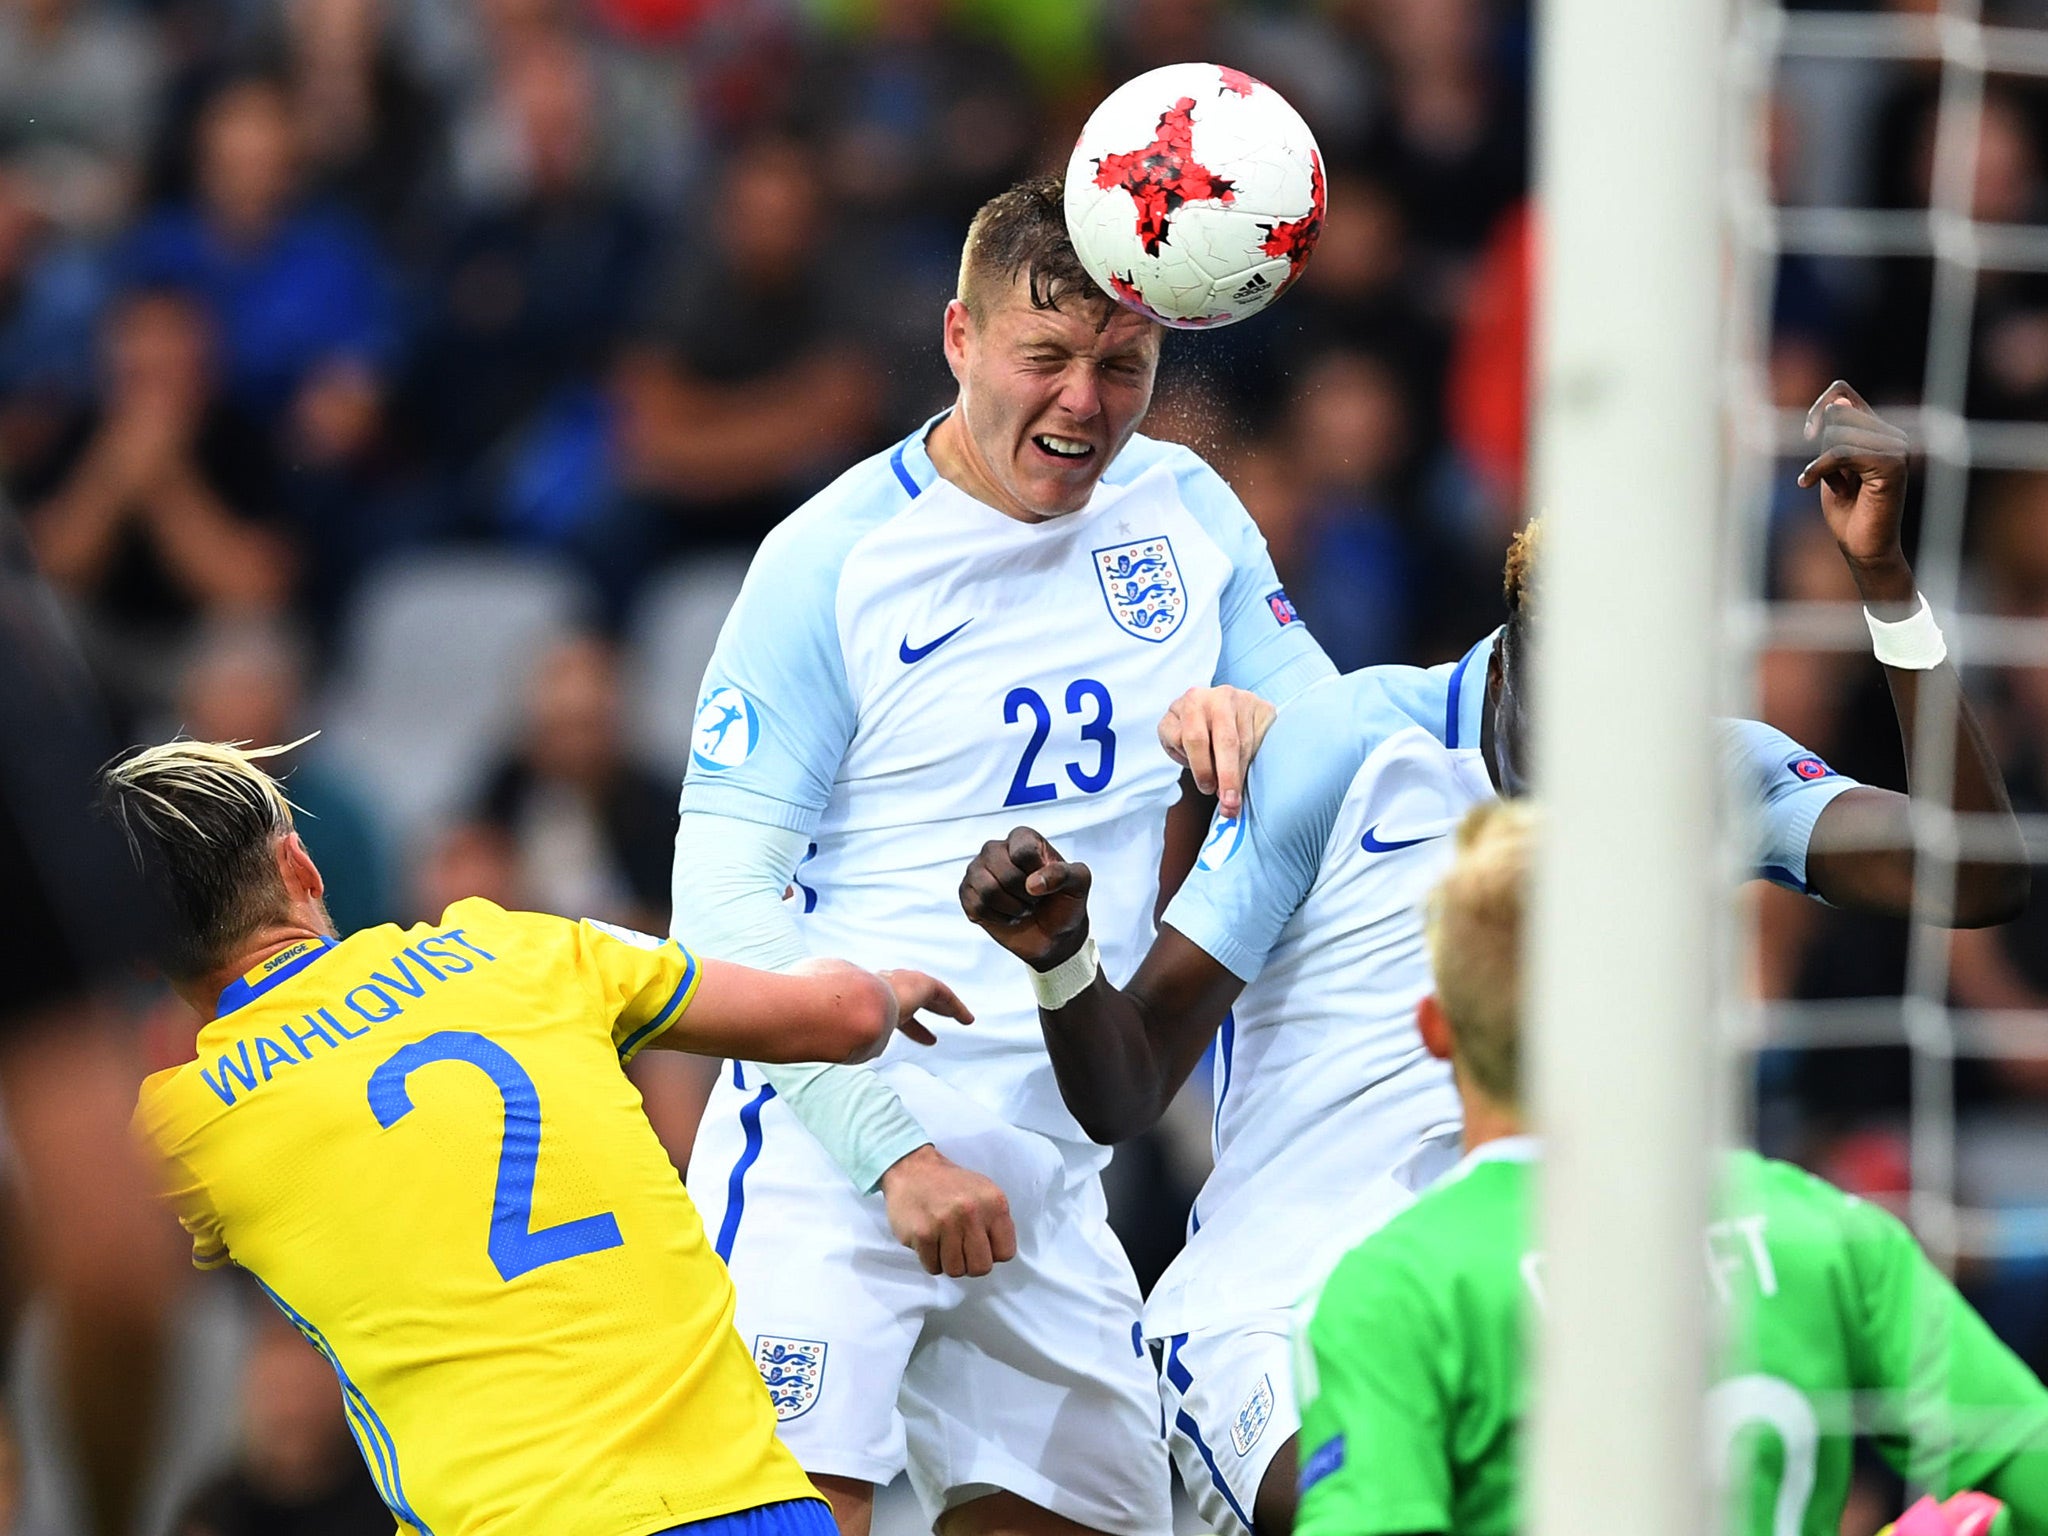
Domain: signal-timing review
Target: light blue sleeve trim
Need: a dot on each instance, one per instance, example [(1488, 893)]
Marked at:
[(740, 802), (1263, 652), (1256, 869), (777, 679), (726, 890), (1786, 787), (728, 883), (856, 1117)]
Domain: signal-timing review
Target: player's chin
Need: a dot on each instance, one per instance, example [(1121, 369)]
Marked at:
[(1060, 480)]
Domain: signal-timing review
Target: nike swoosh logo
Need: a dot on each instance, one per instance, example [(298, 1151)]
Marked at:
[(912, 654), (1372, 844)]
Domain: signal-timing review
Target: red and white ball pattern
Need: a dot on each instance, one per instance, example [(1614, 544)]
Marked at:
[(1195, 195)]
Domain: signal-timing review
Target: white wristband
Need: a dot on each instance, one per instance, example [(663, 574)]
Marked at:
[(1914, 643), (1069, 979)]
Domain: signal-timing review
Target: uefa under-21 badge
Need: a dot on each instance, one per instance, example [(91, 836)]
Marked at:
[(1142, 586), (792, 1370), (727, 730), (1226, 836), (1253, 1417)]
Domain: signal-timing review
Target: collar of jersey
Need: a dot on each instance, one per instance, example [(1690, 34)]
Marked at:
[(1502, 1149), (912, 462), (286, 963), (1468, 693)]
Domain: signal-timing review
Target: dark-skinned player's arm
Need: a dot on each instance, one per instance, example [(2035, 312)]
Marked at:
[(1119, 1055), (1861, 855)]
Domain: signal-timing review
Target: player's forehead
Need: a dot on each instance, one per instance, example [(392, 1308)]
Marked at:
[(1074, 326)]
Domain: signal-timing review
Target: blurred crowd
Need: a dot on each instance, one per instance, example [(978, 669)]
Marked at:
[(423, 371)]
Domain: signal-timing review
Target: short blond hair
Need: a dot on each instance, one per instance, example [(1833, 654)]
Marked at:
[(202, 818), (1475, 945), (1023, 231)]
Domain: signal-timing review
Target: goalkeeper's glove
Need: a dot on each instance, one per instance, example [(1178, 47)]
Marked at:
[(1962, 1514)]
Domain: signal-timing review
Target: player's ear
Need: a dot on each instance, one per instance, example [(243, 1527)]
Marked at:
[(958, 325), (301, 875), (1435, 1026)]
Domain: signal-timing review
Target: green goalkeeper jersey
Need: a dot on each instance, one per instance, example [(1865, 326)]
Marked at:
[(1410, 1369)]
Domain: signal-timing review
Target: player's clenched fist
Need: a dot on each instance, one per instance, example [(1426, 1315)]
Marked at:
[(1029, 899), (1861, 471), (956, 1220)]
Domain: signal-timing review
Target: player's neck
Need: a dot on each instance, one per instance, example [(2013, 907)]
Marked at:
[(303, 924), (1487, 1121), (955, 457)]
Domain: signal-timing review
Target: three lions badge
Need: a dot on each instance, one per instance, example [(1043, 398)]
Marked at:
[(1253, 1417), (792, 1370), (1142, 585)]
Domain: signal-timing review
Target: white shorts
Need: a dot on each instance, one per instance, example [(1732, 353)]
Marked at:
[(1031, 1379), (1228, 1400), (1226, 1380)]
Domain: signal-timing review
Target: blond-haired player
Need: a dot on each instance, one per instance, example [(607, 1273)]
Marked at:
[(422, 1144), (1410, 1366)]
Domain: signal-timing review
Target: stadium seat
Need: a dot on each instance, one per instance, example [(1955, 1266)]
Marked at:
[(433, 663), (673, 630)]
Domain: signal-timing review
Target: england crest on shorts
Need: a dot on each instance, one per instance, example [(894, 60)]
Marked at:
[(1142, 586), (1253, 1417), (792, 1370)]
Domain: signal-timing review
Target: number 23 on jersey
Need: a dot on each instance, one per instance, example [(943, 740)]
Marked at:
[(1087, 703)]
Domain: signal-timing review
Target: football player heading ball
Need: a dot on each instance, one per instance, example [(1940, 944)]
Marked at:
[(990, 615)]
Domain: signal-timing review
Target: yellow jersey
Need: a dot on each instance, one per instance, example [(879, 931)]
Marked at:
[(421, 1144)]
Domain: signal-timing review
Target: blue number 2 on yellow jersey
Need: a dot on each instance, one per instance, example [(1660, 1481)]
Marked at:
[(514, 1247)]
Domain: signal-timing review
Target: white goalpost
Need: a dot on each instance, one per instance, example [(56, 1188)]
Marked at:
[(1657, 443), (1628, 477)]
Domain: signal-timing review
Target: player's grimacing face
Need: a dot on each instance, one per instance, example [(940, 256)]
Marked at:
[(1047, 397)]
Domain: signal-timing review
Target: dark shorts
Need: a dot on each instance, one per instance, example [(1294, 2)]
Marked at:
[(74, 917)]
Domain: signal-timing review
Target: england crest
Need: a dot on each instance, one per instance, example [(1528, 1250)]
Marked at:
[(792, 1370), (1253, 1417), (1142, 585)]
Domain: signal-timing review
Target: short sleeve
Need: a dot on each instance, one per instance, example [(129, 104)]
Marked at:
[(1965, 1411), (1374, 1455), (1267, 649), (1783, 789), (177, 1184), (776, 714), (647, 982), (1256, 867)]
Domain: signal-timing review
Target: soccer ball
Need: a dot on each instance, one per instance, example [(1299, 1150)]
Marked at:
[(1195, 195)]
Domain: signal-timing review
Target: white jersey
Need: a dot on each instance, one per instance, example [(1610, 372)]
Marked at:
[(909, 673), (1313, 897)]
